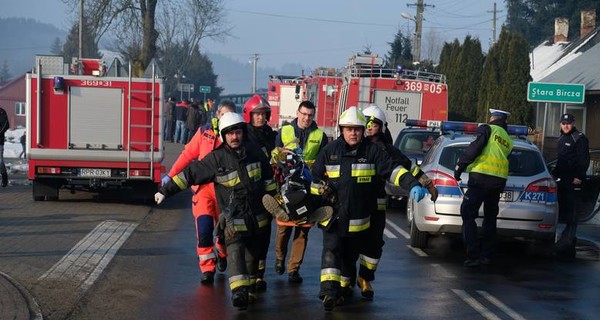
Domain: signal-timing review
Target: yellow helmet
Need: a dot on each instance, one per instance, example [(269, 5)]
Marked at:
[(352, 117)]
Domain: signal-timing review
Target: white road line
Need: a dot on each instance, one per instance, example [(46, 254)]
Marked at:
[(389, 234), (397, 228), (443, 271), (418, 251), (90, 256), (475, 304), (510, 312)]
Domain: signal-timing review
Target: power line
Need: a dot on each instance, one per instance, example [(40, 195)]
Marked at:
[(314, 19)]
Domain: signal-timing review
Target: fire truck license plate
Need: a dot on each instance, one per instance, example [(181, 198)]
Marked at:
[(88, 172)]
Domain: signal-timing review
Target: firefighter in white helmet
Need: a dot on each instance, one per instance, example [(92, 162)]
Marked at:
[(242, 175), (348, 173)]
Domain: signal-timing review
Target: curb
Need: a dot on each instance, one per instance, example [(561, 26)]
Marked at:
[(35, 313)]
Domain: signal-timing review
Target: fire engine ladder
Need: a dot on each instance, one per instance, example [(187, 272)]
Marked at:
[(149, 107)]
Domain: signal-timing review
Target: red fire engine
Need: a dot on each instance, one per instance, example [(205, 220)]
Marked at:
[(401, 94), (284, 95), (90, 131), (323, 89)]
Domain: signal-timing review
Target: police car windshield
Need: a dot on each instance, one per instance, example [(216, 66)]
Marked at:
[(522, 162)]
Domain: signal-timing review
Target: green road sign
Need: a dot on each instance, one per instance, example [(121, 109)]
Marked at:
[(555, 92), (204, 89)]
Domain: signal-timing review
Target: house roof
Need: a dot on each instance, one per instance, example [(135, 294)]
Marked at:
[(569, 62)]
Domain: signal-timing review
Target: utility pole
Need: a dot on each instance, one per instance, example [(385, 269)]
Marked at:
[(418, 27), (254, 60), (494, 23), (80, 29)]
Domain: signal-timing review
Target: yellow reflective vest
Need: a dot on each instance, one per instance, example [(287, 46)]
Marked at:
[(311, 146), (493, 159)]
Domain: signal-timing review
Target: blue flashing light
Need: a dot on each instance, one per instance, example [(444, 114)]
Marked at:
[(461, 126)]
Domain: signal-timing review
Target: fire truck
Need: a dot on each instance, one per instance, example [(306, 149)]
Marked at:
[(323, 89), (284, 95), (91, 128), (401, 94)]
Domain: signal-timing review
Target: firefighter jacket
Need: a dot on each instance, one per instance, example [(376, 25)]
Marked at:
[(263, 137), (202, 143), (311, 140), (353, 172), (241, 179), (573, 156), (486, 158)]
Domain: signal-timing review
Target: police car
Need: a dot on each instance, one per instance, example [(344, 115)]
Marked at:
[(528, 205)]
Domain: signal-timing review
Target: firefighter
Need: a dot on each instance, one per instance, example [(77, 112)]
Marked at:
[(304, 135), (486, 160), (257, 112), (570, 172), (4, 125), (345, 172), (242, 175), (204, 203), (377, 133)]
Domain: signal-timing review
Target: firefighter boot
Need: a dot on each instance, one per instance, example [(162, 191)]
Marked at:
[(320, 214), (274, 207), (239, 297), (329, 302), (260, 285), (365, 288), (427, 183)]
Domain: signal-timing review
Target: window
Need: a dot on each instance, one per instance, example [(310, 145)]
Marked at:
[(20, 109)]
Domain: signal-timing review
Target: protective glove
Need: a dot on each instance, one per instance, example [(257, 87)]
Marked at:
[(417, 192), (165, 180), (225, 225), (457, 175), (159, 197)]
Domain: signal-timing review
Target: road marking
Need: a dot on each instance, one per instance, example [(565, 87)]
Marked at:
[(475, 304), (90, 256), (389, 234), (510, 312), (418, 251), (443, 271), (397, 228)]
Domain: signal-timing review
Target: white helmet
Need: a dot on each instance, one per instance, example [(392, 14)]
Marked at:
[(230, 121), (373, 113), (352, 117)]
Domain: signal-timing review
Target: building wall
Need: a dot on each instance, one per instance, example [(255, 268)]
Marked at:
[(11, 94)]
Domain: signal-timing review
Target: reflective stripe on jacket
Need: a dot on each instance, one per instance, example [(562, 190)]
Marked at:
[(493, 159)]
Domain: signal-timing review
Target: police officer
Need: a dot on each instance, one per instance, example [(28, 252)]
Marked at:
[(349, 167), (4, 126), (242, 175), (486, 160), (570, 171), (257, 113), (204, 202), (302, 133)]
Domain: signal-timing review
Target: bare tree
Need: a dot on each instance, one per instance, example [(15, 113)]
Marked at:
[(433, 45)]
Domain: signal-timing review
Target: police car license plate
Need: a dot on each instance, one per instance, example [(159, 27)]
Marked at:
[(90, 172), (506, 196)]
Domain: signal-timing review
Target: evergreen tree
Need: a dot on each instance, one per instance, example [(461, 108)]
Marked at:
[(56, 47), (71, 45), (5, 75), (514, 81), (468, 75), (399, 53), (449, 66)]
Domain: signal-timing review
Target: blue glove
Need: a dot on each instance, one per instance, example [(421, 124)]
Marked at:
[(165, 180), (417, 193)]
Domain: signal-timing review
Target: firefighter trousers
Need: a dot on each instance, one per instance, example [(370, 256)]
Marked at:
[(206, 215), (369, 258), (265, 240), (338, 260), (299, 242), (469, 211), (243, 253)]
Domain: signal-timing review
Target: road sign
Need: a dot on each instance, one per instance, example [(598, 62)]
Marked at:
[(555, 92), (204, 89), (185, 87)]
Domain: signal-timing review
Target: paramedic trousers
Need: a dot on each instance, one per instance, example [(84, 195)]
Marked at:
[(338, 260), (469, 211), (206, 214), (298, 245)]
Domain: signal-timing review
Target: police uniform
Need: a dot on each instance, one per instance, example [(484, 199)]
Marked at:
[(573, 161), (311, 140), (486, 160)]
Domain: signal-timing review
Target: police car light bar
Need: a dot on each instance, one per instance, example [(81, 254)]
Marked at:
[(468, 127)]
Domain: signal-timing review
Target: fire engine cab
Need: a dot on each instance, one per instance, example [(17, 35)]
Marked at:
[(401, 94), (284, 95), (91, 128)]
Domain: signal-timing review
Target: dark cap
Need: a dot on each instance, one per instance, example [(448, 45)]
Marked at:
[(567, 117)]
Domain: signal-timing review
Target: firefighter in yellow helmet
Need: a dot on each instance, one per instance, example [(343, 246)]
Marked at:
[(348, 172)]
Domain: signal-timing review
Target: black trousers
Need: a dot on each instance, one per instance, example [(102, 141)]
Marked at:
[(469, 211), (567, 202), (372, 251)]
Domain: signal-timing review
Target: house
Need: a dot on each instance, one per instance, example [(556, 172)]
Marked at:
[(569, 62), (12, 100)]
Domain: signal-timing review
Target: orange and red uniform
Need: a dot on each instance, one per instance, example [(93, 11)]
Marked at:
[(204, 203)]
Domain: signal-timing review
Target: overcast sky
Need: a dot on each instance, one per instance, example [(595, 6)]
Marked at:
[(315, 32)]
